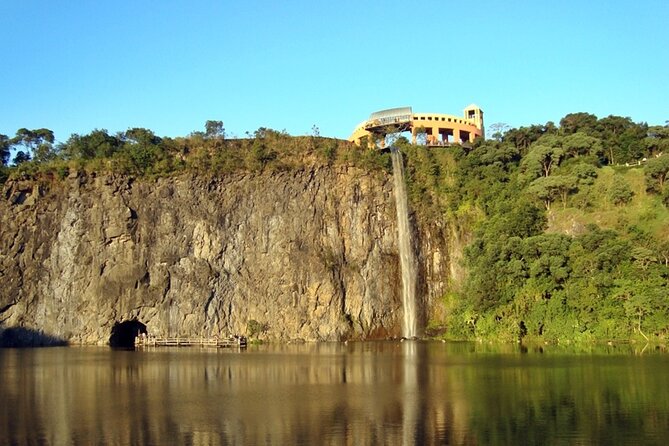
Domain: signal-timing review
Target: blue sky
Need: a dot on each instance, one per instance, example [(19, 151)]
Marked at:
[(73, 66)]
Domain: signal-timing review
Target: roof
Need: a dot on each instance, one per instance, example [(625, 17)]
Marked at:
[(391, 116)]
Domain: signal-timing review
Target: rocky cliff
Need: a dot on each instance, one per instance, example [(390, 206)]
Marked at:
[(308, 253)]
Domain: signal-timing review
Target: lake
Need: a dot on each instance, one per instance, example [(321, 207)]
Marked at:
[(358, 393)]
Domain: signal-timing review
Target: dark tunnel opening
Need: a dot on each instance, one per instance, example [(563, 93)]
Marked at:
[(123, 334)]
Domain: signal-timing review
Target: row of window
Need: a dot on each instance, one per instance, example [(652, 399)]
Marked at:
[(429, 118)]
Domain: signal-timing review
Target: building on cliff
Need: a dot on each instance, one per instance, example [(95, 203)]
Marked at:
[(434, 129)]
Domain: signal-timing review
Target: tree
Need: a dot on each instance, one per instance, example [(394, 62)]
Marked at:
[(575, 122), (20, 158), (39, 143), (622, 138), (5, 147), (540, 161), (620, 191), (214, 130), (255, 328), (657, 140), (585, 173), (97, 144), (579, 143), (524, 136), (497, 130), (656, 172), (421, 136), (45, 152), (141, 136), (547, 189)]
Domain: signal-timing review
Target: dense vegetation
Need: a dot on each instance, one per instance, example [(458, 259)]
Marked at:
[(570, 229), (140, 152), (566, 225)]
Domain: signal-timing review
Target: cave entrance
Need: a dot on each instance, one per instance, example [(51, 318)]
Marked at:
[(123, 334)]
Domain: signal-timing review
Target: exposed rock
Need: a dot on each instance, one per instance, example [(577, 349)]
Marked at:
[(310, 254)]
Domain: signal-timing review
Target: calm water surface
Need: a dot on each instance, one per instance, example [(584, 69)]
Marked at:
[(361, 393)]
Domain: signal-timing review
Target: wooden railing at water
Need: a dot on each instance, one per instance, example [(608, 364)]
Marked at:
[(153, 341)]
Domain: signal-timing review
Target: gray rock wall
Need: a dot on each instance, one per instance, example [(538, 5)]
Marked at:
[(309, 254)]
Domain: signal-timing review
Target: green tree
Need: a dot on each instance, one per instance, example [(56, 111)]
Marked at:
[(141, 136), (97, 144), (622, 138), (657, 140), (255, 328), (656, 171), (541, 160), (578, 122), (620, 192), (21, 157), (579, 143), (548, 189), (497, 130), (39, 143), (214, 130), (5, 149), (585, 173)]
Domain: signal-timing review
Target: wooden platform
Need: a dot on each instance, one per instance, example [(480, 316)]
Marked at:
[(151, 341)]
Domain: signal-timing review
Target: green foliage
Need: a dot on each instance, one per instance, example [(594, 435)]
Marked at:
[(261, 152), (585, 174), (521, 138), (548, 189), (97, 144), (620, 192), (576, 282), (21, 157), (541, 160), (578, 122), (255, 328), (5, 146), (657, 140), (214, 129), (657, 171), (579, 144)]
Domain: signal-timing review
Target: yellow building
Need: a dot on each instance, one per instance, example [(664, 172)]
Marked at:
[(435, 129)]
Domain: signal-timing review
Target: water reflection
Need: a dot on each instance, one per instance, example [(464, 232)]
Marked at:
[(360, 393)]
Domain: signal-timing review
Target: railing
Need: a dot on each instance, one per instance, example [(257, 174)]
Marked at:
[(152, 341)]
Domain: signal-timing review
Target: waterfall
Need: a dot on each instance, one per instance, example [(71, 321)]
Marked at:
[(407, 261)]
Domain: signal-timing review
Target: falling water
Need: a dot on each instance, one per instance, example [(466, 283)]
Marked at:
[(407, 262)]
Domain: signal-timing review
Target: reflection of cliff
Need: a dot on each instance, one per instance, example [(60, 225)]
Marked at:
[(311, 394), (308, 253), (385, 393)]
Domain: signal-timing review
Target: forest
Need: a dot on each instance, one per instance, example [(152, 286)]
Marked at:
[(567, 230), (565, 225)]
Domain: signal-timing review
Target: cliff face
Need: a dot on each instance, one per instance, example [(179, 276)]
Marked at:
[(308, 254)]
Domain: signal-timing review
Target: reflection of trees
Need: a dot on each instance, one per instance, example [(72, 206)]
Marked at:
[(600, 401), (362, 393)]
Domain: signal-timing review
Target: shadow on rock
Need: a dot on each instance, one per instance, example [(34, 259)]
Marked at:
[(123, 334), (16, 337)]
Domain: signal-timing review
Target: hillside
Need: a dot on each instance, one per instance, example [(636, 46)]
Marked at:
[(543, 233), (566, 230)]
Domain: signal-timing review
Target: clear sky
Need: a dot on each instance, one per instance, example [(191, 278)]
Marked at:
[(167, 65)]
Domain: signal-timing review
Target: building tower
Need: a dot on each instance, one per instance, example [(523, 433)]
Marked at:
[(475, 115)]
